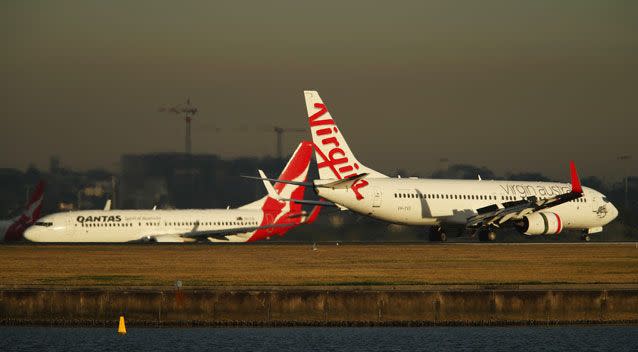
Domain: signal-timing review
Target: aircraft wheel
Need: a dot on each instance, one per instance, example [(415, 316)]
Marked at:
[(437, 234), (585, 238), (491, 236)]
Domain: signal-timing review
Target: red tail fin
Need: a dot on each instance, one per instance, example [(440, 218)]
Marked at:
[(295, 170), (30, 214), (278, 212), (576, 187), (35, 203)]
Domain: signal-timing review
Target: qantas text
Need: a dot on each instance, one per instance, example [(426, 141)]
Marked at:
[(99, 218)]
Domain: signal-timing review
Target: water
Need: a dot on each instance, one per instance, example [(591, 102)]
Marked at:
[(563, 338)]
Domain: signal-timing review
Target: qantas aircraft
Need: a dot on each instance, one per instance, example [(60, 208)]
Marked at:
[(481, 206), (259, 220), (12, 230)]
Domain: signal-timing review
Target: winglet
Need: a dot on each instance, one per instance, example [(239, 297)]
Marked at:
[(269, 187), (576, 187), (313, 214)]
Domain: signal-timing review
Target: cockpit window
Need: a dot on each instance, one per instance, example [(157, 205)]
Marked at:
[(43, 223), (605, 200)]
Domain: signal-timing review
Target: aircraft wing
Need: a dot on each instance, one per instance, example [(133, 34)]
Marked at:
[(498, 214), (221, 234)]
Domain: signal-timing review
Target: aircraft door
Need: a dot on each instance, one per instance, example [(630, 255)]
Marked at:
[(376, 198), (75, 229)]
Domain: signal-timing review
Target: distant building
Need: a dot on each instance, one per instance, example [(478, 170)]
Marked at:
[(179, 180)]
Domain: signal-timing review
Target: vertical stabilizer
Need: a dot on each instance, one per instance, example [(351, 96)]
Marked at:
[(30, 214), (278, 212), (335, 160), (296, 170)]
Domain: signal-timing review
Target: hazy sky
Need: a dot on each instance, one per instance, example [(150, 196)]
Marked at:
[(510, 85)]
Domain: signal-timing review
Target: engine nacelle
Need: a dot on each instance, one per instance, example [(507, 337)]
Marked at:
[(168, 239), (541, 223)]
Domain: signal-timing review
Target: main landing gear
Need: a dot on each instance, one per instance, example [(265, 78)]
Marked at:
[(437, 234), (585, 237), (487, 235)]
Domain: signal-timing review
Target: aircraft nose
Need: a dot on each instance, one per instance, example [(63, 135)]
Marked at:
[(613, 211)]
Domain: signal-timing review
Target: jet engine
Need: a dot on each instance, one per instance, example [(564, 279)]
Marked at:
[(541, 223), (165, 239)]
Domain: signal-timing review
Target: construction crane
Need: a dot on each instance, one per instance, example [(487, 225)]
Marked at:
[(187, 111), (279, 131)]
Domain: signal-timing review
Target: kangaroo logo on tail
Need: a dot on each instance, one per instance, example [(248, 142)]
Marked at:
[(286, 212), (30, 214), (335, 160)]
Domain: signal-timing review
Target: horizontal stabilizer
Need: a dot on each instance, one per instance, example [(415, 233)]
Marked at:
[(322, 203), (306, 184), (343, 183)]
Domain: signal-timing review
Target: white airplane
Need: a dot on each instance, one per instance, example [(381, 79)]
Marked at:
[(259, 220), (481, 206), (13, 230)]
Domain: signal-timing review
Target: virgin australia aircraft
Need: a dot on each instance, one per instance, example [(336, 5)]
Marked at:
[(259, 220), (481, 206), (12, 230)]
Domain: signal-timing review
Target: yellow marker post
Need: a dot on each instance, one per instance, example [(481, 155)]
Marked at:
[(121, 329)]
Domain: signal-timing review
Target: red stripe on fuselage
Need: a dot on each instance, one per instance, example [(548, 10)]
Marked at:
[(560, 225)]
